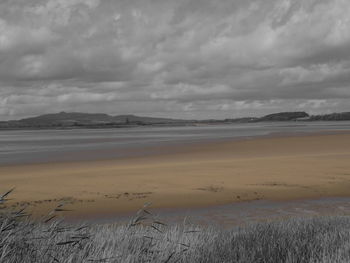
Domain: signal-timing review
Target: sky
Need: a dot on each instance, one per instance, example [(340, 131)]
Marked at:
[(190, 59)]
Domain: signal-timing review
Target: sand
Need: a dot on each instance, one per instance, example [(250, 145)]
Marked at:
[(197, 175)]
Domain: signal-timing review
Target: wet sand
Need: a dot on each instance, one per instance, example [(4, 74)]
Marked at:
[(197, 175), (233, 214)]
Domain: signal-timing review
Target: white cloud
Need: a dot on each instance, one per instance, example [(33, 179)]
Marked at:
[(167, 57)]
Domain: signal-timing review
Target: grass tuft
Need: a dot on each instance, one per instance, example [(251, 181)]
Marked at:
[(148, 239)]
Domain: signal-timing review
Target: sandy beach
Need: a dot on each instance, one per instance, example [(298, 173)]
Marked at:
[(269, 168)]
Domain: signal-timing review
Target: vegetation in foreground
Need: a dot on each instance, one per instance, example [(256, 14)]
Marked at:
[(147, 240)]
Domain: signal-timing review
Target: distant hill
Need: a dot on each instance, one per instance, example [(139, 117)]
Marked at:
[(101, 120), (78, 119), (68, 117), (151, 120), (284, 116), (281, 116), (94, 118), (242, 120), (343, 116)]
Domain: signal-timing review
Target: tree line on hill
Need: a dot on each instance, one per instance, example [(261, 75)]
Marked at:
[(100, 120)]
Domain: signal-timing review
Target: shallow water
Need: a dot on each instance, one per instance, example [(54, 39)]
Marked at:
[(39, 146), (237, 214)]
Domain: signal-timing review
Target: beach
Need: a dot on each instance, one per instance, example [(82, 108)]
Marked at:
[(283, 167)]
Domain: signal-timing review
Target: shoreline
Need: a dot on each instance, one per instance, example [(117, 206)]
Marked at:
[(232, 214), (278, 167), (161, 149), (180, 124)]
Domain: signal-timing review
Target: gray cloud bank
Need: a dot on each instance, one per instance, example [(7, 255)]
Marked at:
[(184, 58)]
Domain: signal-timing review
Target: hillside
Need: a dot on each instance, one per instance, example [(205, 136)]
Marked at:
[(147, 120), (68, 117), (284, 116), (101, 120), (77, 119), (343, 116)]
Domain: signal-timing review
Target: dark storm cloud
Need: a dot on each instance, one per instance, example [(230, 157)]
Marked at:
[(186, 58)]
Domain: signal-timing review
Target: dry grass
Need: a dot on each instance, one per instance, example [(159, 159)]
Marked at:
[(145, 239)]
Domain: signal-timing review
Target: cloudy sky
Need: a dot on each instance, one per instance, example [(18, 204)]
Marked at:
[(182, 59)]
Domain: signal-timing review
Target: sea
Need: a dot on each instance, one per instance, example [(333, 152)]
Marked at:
[(44, 146)]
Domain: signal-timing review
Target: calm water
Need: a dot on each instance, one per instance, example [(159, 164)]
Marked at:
[(37, 146), (234, 214)]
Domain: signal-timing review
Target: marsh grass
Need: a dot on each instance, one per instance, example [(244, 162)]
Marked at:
[(147, 239)]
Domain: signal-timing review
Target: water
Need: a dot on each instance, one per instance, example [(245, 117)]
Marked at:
[(39, 146), (234, 214)]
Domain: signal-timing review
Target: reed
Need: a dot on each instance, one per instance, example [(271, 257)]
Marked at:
[(148, 239)]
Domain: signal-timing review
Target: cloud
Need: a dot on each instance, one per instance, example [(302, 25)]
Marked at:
[(186, 58)]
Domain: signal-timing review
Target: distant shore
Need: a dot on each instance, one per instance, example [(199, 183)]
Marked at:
[(78, 120), (283, 167), (159, 125)]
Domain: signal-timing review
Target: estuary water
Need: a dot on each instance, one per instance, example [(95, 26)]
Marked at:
[(42, 146)]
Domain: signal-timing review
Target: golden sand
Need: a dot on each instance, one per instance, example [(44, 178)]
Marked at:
[(279, 168)]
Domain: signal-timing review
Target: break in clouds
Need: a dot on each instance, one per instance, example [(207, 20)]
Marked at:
[(181, 59)]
